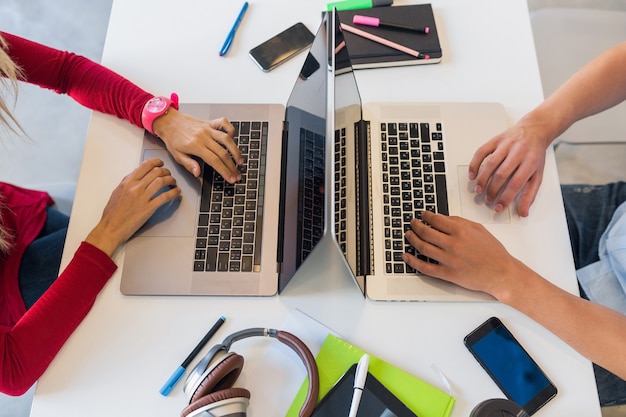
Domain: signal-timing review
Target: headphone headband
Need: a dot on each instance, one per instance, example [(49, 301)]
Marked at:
[(311, 367), (252, 332), (206, 365)]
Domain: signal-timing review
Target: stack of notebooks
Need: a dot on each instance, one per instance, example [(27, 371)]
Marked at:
[(365, 53)]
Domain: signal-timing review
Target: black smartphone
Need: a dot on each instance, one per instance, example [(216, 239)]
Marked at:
[(281, 47), (510, 366)]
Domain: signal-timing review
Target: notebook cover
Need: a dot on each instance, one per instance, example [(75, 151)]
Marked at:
[(365, 53), (337, 355)]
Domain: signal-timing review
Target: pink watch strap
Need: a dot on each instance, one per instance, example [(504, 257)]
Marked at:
[(148, 118), (174, 98)]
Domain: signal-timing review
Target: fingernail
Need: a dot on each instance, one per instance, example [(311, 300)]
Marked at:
[(472, 175), (478, 189), (488, 200), (498, 208)]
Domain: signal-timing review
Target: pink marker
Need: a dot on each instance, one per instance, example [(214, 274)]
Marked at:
[(374, 21)]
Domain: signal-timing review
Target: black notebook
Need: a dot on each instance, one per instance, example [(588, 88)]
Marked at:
[(365, 53)]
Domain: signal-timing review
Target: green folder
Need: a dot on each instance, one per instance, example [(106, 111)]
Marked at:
[(337, 355)]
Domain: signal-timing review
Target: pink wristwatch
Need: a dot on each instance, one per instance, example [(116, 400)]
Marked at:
[(156, 107)]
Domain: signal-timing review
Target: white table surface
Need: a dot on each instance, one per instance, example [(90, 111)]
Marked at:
[(116, 361)]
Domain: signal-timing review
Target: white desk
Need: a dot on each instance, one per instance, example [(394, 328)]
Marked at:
[(127, 347)]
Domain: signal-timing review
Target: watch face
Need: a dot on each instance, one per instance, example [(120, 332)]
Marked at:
[(156, 105)]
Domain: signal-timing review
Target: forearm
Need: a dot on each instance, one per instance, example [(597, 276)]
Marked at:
[(103, 90), (599, 85), (596, 332), (29, 347), (87, 82)]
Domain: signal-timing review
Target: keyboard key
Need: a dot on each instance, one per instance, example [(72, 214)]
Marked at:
[(246, 263), (211, 259)]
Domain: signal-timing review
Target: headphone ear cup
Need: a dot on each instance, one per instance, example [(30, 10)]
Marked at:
[(234, 401), (221, 377)]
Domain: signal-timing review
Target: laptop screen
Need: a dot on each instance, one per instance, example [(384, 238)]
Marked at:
[(302, 212), (351, 226)]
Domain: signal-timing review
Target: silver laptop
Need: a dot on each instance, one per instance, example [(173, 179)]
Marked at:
[(247, 238), (392, 161)]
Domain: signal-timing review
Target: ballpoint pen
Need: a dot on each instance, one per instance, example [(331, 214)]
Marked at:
[(233, 30), (173, 380), (360, 376), (376, 22)]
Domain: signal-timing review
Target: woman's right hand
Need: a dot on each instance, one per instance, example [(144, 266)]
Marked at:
[(132, 203)]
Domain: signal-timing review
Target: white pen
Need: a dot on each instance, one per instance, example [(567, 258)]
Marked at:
[(359, 383)]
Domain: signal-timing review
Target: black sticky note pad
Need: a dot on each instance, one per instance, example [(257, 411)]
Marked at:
[(376, 401)]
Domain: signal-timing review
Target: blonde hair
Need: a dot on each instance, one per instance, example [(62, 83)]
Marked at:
[(9, 74)]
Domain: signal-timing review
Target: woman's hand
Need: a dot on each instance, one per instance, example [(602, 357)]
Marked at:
[(132, 203), (212, 141), (511, 164)]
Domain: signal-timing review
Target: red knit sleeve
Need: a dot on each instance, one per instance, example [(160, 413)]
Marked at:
[(87, 82), (27, 349)]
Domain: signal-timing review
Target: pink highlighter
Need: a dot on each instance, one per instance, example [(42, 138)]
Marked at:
[(374, 21)]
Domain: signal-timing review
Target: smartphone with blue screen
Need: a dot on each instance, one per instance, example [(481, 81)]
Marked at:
[(510, 366)]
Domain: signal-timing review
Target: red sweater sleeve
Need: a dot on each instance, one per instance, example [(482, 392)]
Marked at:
[(87, 82), (27, 349)]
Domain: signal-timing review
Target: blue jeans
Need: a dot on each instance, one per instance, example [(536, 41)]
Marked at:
[(41, 261), (589, 209)]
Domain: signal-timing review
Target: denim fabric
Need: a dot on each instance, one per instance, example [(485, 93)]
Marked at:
[(589, 209), (41, 261)]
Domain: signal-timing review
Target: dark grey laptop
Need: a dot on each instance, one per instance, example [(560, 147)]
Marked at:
[(247, 238)]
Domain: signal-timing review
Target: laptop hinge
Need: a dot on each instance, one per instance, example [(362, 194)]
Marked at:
[(281, 201), (365, 249)]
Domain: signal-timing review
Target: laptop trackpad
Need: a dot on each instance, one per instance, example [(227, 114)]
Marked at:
[(473, 206), (178, 217)]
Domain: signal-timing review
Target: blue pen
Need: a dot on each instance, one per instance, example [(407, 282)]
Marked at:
[(173, 380), (231, 34)]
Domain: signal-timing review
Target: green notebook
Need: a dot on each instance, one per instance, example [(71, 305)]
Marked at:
[(337, 355)]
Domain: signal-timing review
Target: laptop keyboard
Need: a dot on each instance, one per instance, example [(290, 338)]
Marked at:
[(228, 236), (413, 180), (311, 197), (341, 190)]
